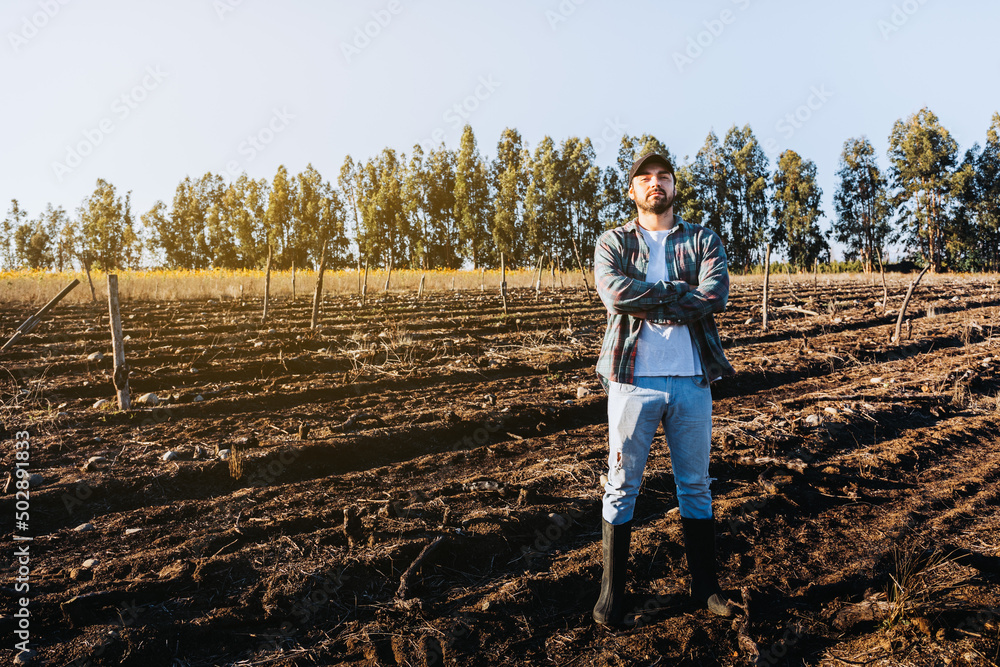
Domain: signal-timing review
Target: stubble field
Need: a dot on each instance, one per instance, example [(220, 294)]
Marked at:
[(417, 483)]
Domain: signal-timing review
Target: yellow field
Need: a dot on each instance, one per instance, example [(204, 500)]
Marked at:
[(37, 287)]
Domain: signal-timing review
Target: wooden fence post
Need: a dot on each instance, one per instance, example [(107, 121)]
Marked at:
[(906, 302), (85, 260), (29, 324), (420, 289), (538, 280), (120, 377), (364, 286), (317, 297), (293, 281), (392, 260), (767, 279), (582, 272), (885, 288), (267, 284), (503, 283)]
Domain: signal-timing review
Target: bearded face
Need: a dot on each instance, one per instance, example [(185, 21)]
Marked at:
[(653, 189), (656, 200)]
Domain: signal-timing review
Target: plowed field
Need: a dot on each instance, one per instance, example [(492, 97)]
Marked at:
[(856, 484)]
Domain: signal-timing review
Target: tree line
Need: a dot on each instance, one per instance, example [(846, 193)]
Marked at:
[(449, 208)]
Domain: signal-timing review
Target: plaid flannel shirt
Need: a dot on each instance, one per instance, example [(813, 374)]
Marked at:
[(699, 287)]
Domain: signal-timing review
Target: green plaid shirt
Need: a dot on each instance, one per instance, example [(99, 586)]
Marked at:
[(699, 287)]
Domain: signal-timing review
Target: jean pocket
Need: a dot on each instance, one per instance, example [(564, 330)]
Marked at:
[(700, 381), (622, 388)]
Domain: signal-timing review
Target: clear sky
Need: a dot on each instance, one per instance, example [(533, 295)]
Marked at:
[(143, 93)]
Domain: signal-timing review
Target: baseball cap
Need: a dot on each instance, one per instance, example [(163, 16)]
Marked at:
[(649, 157)]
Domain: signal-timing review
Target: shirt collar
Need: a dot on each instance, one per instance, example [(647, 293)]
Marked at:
[(633, 225)]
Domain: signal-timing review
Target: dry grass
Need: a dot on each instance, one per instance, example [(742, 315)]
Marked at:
[(37, 287), (920, 581), (236, 458)]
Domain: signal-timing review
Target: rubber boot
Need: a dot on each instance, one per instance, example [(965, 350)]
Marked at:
[(699, 544), (615, 542)]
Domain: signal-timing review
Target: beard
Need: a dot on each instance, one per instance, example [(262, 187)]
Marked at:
[(657, 206)]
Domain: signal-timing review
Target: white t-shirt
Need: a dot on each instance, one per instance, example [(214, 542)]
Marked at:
[(663, 349)]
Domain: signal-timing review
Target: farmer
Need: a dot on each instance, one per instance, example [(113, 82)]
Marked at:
[(661, 279)]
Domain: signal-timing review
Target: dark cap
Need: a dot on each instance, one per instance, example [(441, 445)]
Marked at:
[(649, 157)]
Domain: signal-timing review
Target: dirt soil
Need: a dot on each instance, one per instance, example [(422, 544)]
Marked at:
[(417, 483)]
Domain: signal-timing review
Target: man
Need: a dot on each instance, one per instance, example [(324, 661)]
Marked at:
[(661, 279)]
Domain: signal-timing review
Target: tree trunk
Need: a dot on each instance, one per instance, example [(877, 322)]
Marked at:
[(767, 279), (267, 283)]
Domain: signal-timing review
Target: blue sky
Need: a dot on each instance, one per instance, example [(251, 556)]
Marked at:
[(143, 93)]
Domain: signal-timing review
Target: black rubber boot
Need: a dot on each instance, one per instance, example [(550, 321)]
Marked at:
[(699, 544), (615, 541)]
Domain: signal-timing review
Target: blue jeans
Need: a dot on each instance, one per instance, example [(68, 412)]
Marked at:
[(684, 406)]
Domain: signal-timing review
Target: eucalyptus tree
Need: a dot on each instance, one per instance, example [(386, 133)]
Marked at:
[(923, 155), (543, 208), (796, 211), (746, 214), (108, 238), (279, 216), (579, 192), (472, 203), (862, 203), (509, 183)]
